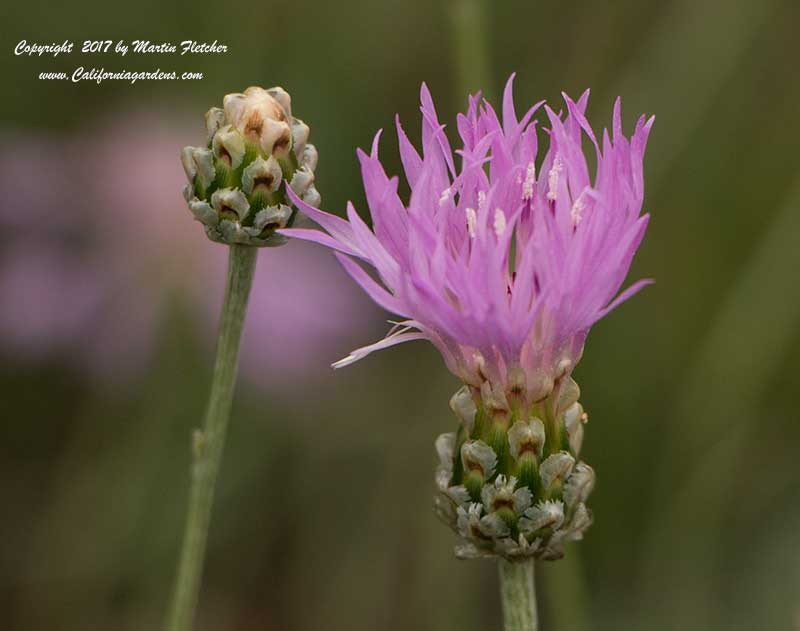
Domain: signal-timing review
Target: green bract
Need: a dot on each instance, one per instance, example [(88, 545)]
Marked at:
[(237, 182), (510, 483)]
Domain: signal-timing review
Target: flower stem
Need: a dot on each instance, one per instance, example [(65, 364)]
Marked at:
[(208, 443), (518, 595)]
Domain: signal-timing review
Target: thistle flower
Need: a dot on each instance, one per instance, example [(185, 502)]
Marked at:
[(504, 263), (255, 151)]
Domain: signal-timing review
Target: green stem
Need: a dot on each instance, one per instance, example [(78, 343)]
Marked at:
[(209, 443), (518, 595)]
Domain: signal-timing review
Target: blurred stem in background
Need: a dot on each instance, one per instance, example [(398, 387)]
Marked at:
[(518, 595), (209, 442), (470, 29)]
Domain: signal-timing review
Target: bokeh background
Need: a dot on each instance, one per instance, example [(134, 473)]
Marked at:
[(109, 296)]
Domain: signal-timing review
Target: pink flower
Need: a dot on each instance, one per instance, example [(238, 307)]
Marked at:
[(505, 261)]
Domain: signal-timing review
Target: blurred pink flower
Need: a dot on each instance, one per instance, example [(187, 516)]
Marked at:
[(96, 244)]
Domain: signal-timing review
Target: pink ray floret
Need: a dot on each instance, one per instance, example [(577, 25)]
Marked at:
[(502, 259)]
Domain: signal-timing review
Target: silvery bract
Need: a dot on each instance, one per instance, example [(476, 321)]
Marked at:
[(511, 484)]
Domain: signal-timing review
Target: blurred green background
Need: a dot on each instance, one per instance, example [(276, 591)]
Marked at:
[(323, 517)]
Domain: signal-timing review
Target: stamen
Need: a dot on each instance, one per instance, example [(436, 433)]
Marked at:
[(552, 177), (481, 200), (499, 222), (577, 210), (446, 193), (530, 178), (472, 219)]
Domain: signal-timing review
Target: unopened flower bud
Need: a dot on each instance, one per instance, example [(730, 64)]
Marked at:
[(237, 183)]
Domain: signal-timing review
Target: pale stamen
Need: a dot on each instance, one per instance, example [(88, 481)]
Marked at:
[(472, 219), (499, 222), (577, 210), (552, 178), (530, 179)]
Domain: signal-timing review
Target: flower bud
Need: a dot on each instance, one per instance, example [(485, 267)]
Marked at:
[(254, 150)]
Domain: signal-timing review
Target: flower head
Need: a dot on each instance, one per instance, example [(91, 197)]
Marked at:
[(501, 258)]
